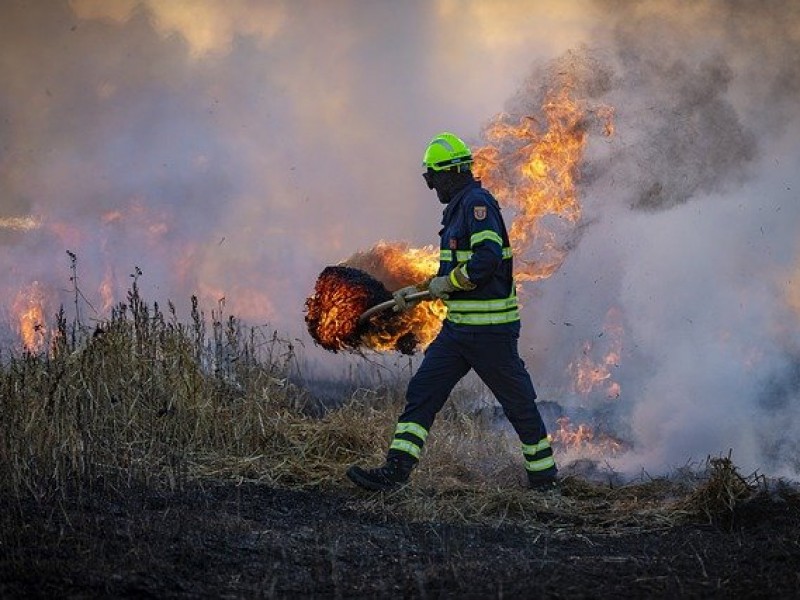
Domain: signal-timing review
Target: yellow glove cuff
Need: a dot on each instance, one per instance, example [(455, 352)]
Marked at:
[(458, 277)]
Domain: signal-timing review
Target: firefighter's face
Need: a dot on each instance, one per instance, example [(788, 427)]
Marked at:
[(436, 180), (428, 176), (442, 182)]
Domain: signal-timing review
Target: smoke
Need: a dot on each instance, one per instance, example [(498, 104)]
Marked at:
[(692, 212), (232, 150)]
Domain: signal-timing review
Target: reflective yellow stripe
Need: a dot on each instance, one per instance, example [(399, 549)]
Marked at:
[(483, 318), (540, 465), (486, 234), (465, 255), (407, 447), (483, 312), (412, 428), (534, 448), (453, 280), (496, 305)]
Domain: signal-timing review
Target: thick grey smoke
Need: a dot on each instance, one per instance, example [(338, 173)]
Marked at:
[(692, 219)]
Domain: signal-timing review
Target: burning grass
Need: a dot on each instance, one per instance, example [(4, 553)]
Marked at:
[(148, 407), (149, 400)]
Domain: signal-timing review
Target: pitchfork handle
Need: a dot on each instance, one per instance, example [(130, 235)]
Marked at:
[(370, 312)]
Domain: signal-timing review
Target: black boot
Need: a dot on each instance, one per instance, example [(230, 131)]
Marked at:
[(391, 475), (548, 483)]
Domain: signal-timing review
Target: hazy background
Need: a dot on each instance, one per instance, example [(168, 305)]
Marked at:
[(234, 149)]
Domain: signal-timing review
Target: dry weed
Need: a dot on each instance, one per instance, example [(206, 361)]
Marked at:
[(148, 400)]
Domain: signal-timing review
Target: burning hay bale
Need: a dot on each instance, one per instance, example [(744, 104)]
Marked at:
[(341, 295)]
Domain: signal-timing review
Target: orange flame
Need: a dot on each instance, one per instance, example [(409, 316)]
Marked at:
[(588, 374), (28, 308), (583, 440), (107, 292), (367, 278), (27, 223), (533, 169), (396, 266)]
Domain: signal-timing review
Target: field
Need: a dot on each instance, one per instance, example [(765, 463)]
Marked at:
[(148, 457)]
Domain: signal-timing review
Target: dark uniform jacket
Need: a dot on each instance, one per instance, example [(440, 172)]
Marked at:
[(474, 233)]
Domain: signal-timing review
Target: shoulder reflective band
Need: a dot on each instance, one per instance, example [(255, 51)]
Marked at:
[(465, 255), (483, 312), (486, 234), (538, 457)]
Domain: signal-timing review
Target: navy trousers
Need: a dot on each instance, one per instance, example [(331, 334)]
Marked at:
[(495, 359)]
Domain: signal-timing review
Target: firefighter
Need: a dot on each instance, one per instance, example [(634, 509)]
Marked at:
[(480, 331)]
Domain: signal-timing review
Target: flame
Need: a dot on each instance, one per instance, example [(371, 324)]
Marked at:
[(367, 278), (532, 168), (28, 223), (28, 308), (588, 374), (583, 440), (107, 292), (396, 266)]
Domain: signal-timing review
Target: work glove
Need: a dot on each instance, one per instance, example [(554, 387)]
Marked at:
[(440, 287), (400, 302), (457, 280)]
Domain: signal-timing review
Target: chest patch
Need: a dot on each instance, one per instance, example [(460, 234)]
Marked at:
[(479, 212), (453, 243)]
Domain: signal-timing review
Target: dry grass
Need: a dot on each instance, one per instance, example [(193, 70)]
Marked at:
[(151, 401)]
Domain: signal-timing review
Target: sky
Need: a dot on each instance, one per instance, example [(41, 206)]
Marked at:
[(233, 150)]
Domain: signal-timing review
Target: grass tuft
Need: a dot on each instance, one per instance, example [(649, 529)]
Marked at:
[(145, 401)]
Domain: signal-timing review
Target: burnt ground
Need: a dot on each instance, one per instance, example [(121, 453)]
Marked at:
[(252, 540)]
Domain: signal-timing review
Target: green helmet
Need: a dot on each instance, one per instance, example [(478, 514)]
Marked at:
[(445, 151)]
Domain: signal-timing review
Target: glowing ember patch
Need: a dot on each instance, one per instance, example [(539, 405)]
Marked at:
[(341, 295)]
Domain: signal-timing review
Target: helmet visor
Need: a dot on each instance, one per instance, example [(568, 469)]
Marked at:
[(428, 177)]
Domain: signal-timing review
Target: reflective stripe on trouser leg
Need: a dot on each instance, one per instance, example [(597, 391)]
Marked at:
[(409, 438), (442, 367), (497, 362), (538, 457)]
